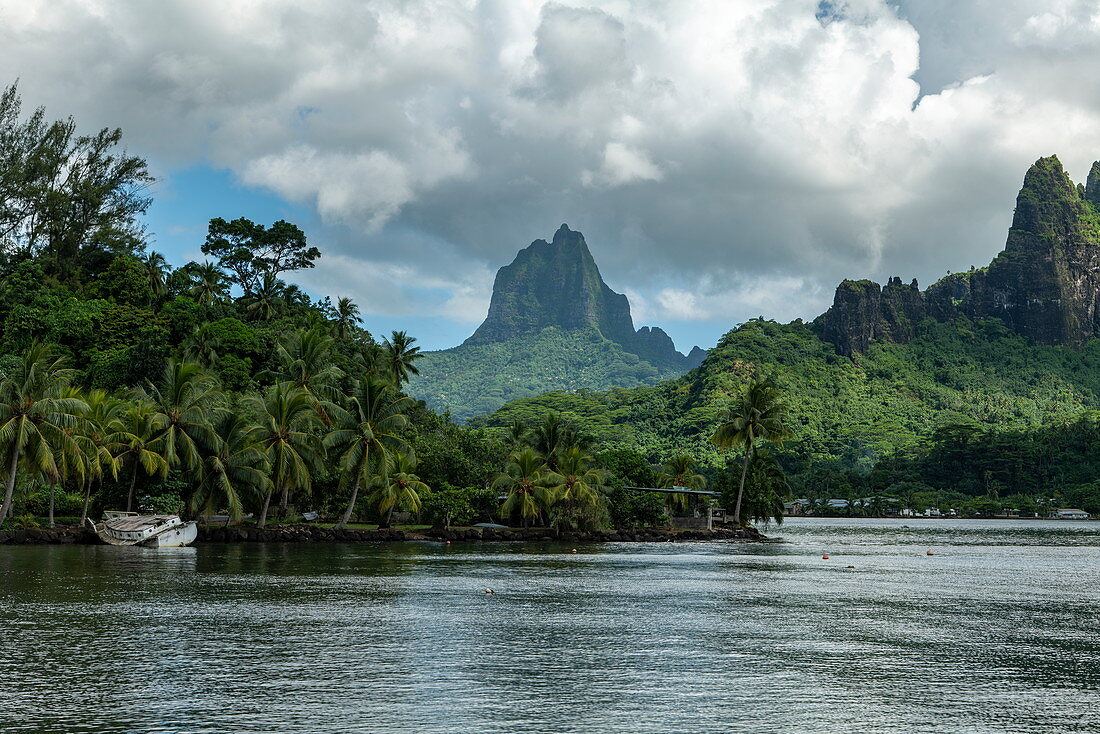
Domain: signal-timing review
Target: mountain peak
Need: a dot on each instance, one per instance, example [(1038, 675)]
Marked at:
[(553, 284), (1044, 285), (557, 284), (1092, 185)]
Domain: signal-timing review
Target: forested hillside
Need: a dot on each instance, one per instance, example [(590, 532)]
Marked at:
[(476, 379)]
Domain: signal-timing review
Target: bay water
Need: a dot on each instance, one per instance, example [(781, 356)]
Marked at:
[(997, 631)]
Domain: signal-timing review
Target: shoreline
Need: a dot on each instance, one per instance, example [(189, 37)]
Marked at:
[(314, 534)]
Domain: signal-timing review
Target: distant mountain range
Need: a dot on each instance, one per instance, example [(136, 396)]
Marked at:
[(1008, 346), (553, 324)]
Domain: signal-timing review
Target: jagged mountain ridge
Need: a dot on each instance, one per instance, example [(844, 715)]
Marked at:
[(1045, 284)]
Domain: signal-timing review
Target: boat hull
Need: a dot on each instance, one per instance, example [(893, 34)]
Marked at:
[(177, 537), (150, 531)]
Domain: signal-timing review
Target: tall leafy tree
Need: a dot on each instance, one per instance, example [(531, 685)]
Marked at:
[(401, 357), (103, 441), (525, 480), (367, 430), (553, 437), (156, 270), (268, 299), (576, 485), (767, 488), (251, 251), (203, 345), (759, 415), (285, 416), (207, 283), (61, 191), (36, 418)]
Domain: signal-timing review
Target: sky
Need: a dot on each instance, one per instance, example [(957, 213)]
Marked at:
[(724, 159)]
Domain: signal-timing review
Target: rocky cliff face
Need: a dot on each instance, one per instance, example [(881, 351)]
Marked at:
[(558, 284), (1044, 285)]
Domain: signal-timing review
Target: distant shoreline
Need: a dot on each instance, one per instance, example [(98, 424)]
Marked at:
[(315, 534)]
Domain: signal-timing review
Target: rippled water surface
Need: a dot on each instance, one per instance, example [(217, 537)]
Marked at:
[(999, 631)]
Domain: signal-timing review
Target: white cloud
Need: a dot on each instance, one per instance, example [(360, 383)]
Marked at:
[(714, 153)]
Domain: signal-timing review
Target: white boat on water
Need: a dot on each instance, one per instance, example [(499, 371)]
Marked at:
[(153, 531)]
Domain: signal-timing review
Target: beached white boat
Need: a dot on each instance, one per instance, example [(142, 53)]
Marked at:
[(153, 531)]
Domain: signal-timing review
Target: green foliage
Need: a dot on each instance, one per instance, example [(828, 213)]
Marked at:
[(250, 251), (125, 281), (476, 379)]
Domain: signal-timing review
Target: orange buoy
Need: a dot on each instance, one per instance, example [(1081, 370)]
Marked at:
[(574, 550), (448, 542), (826, 557), (930, 553)]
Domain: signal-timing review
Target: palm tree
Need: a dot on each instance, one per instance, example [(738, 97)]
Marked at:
[(524, 479), (185, 401), (269, 299), (156, 269), (203, 345), (36, 419), (679, 473), (104, 439), (235, 471), (759, 416), (553, 437), (139, 422), (282, 434), (366, 431), (208, 283), (768, 488), (347, 316), (576, 484), (305, 362), (401, 356), (398, 487), (73, 456), (517, 434)]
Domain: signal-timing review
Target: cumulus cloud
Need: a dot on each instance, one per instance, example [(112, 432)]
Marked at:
[(724, 159)]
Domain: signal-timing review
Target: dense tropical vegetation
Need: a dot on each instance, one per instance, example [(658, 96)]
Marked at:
[(218, 388), (967, 415)]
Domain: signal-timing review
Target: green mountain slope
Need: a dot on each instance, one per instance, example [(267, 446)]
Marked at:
[(475, 379), (847, 412)]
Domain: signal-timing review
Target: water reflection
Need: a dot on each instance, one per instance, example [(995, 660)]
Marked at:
[(996, 632)]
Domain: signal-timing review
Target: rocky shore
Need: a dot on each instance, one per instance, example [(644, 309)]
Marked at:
[(315, 534)]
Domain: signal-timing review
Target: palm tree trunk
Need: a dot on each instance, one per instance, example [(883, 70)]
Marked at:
[(262, 522), (133, 483), (284, 501), (53, 491), (87, 499), (741, 488), (389, 516), (351, 507), (9, 490)]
